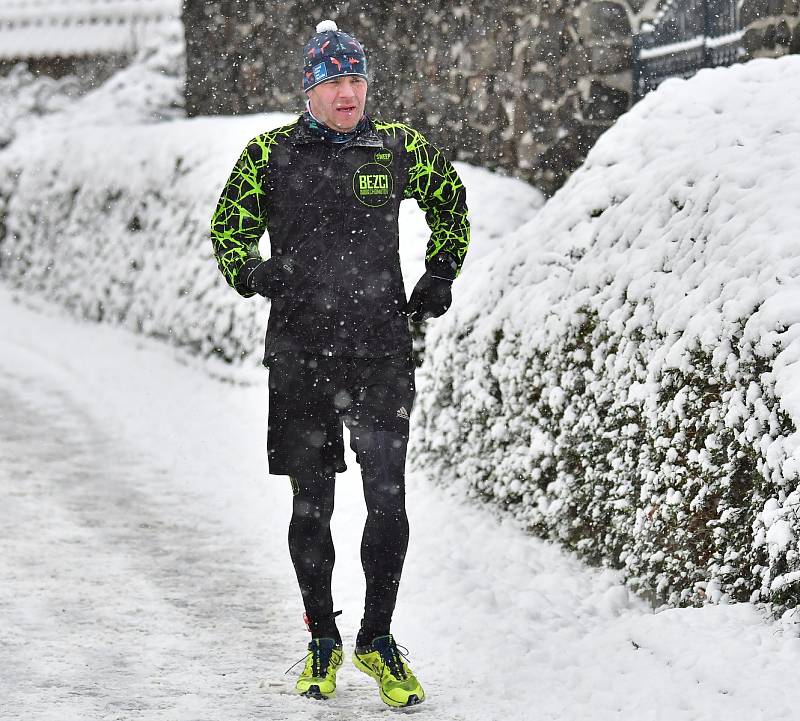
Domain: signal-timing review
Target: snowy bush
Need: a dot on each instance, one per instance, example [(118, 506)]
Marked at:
[(631, 388), (149, 89), (112, 221), (24, 96)]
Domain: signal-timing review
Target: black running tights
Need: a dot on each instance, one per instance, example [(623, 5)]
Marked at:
[(383, 544)]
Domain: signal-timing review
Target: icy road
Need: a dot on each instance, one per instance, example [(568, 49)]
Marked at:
[(144, 571)]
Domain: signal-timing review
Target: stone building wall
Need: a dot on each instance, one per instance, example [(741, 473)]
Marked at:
[(90, 70), (526, 87)]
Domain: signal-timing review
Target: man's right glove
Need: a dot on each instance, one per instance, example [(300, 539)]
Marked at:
[(430, 298), (271, 277)]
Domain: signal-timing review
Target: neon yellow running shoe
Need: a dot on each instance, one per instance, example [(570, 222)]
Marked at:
[(386, 664), (318, 679)]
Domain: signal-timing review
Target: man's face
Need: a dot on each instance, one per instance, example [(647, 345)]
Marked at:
[(339, 102)]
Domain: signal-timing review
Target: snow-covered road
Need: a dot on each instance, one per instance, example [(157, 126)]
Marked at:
[(144, 571)]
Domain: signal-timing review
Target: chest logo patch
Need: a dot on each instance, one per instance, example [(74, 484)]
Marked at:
[(373, 184), (384, 157)]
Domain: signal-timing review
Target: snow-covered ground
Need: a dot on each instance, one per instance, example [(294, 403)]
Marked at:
[(144, 571)]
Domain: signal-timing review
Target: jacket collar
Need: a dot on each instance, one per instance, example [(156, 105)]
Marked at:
[(368, 137)]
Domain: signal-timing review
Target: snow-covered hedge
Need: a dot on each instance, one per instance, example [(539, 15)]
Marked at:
[(112, 222), (631, 387), (108, 214)]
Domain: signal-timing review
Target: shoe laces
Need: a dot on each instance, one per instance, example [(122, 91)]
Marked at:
[(320, 656), (392, 656)]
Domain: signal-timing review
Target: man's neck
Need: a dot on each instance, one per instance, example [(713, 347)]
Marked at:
[(328, 133)]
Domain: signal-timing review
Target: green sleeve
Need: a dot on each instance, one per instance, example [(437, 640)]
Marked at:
[(434, 183), (239, 220)]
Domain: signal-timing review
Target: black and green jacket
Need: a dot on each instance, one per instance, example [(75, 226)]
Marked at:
[(334, 209)]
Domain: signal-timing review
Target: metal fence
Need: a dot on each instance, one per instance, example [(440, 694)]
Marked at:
[(685, 36)]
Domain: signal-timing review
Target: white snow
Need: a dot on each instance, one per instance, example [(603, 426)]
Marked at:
[(147, 90), (676, 244), (64, 28), (145, 573)]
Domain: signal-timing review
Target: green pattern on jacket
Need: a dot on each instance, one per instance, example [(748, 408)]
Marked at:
[(239, 220), (434, 183)]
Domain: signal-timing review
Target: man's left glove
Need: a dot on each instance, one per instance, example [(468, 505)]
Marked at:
[(271, 277), (430, 298)]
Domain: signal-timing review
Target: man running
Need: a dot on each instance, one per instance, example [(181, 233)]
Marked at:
[(327, 187)]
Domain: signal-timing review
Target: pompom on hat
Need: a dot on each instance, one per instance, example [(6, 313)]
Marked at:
[(331, 53)]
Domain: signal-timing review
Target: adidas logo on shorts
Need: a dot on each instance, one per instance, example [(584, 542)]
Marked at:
[(403, 413)]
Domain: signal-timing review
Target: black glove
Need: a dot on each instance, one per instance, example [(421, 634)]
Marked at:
[(271, 277), (430, 298)]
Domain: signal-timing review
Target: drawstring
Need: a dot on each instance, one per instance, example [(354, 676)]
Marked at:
[(295, 664)]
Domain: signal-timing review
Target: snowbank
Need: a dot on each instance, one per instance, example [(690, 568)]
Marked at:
[(631, 387), (108, 214)]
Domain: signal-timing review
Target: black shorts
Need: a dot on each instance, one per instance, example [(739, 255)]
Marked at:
[(310, 396)]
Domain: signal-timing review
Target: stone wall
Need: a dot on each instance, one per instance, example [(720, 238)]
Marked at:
[(90, 71), (523, 87)]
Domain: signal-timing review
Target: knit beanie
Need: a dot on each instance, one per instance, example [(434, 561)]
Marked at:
[(331, 53)]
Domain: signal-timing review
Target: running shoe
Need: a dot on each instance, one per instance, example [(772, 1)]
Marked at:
[(384, 661), (318, 679)]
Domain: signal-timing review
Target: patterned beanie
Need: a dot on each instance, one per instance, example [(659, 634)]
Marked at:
[(331, 53)]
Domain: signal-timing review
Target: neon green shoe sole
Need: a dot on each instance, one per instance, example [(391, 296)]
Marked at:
[(394, 690)]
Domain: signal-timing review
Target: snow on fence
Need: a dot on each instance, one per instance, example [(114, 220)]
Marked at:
[(631, 389), (62, 28)]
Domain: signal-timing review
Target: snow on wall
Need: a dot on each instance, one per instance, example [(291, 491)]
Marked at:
[(631, 387), (61, 28), (149, 88)]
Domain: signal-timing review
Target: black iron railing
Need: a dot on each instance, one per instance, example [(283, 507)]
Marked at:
[(684, 37)]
